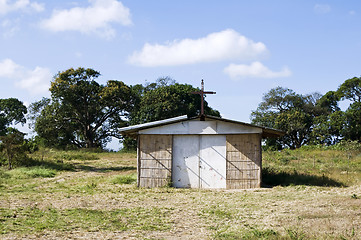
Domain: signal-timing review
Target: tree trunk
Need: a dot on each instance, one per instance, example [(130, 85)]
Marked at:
[(89, 141), (10, 158)]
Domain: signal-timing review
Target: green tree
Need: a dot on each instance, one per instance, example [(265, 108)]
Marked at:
[(350, 89), (329, 102), (164, 99), (12, 144), (82, 112), (297, 125), (352, 130), (12, 111), (293, 113), (52, 125)]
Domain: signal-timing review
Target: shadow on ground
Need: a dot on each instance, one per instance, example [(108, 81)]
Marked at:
[(272, 178), (61, 166), (104, 169), (58, 165)]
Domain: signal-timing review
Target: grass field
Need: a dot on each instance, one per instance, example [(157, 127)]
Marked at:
[(307, 194)]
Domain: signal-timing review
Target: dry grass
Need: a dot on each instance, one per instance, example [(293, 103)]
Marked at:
[(87, 203)]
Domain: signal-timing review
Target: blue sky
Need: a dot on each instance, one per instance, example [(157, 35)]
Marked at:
[(241, 49)]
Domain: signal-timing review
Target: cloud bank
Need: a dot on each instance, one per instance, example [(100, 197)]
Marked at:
[(254, 70), (219, 46), (97, 18), (11, 6), (227, 45), (36, 81)]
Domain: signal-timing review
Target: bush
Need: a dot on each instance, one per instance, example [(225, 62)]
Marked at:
[(347, 146), (19, 159)]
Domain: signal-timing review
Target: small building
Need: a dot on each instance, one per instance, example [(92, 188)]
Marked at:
[(199, 152)]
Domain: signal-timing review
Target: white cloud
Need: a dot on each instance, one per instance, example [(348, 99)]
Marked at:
[(35, 81), (96, 18), (322, 8), (38, 7), (9, 69), (224, 45), (7, 6), (255, 70), (9, 27)]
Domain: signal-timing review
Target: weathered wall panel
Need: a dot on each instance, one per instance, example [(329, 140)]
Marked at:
[(155, 160), (243, 161)]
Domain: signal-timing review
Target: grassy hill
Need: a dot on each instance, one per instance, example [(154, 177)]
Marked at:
[(309, 193), (315, 166)]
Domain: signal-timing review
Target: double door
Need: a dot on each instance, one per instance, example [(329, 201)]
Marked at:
[(199, 161)]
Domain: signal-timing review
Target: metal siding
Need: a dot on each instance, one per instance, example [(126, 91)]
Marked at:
[(233, 128), (138, 161), (213, 161), (185, 161), (202, 128), (199, 161)]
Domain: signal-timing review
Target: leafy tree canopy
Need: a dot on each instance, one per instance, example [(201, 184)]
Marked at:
[(352, 130), (350, 89), (12, 144), (81, 112), (293, 113), (329, 102), (12, 111), (280, 99), (351, 118), (165, 99)]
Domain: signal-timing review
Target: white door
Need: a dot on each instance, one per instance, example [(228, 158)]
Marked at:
[(199, 161), (213, 161), (185, 167)]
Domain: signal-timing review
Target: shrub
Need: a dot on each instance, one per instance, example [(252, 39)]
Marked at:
[(347, 146)]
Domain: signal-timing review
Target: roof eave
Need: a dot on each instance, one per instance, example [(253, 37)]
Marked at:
[(132, 131), (136, 128)]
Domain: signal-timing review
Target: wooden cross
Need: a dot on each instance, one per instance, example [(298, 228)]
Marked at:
[(201, 93)]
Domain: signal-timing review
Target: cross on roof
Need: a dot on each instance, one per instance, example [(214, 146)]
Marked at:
[(201, 93)]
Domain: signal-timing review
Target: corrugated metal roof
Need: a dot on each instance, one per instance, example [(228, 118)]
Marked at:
[(267, 132), (135, 128)]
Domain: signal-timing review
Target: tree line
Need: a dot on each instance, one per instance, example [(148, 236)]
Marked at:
[(311, 119), (82, 113)]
